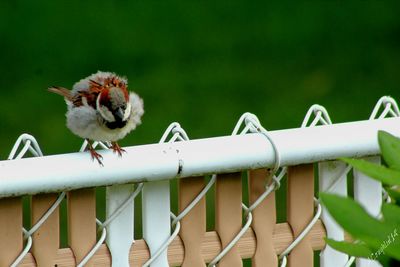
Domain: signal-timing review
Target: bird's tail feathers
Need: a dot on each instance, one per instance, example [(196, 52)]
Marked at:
[(61, 91)]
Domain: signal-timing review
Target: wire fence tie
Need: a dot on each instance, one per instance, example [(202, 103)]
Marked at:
[(252, 125)]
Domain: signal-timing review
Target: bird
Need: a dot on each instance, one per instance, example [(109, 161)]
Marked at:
[(100, 108)]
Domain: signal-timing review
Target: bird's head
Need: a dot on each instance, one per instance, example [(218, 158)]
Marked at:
[(113, 106)]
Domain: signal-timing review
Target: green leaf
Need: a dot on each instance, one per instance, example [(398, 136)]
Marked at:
[(382, 237), (386, 261), (378, 172), (390, 246), (355, 220), (353, 249), (391, 214), (390, 149)]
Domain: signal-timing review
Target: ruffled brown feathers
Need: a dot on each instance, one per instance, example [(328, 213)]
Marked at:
[(99, 86)]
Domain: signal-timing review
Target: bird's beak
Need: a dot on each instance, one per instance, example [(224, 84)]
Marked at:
[(119, 114)]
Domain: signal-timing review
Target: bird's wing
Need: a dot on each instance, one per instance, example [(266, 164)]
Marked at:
[(85, 98)]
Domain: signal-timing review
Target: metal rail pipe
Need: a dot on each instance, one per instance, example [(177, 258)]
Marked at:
[(65, 172)]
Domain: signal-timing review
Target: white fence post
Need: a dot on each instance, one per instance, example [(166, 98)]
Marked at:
[(156, 218), (332, 179), (120, 235), (368, 192)]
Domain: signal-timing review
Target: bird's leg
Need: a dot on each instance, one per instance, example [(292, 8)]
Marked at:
[(117, 149), (94, 153)]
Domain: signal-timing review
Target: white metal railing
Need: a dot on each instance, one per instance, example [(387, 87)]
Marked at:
[(192, 158)]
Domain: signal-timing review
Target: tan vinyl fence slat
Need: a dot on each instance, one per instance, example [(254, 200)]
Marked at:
[(193, 225), (46, 240), (210, 247), (300, 211), (82, 222), (264, 219), (65, 258), (228, 215), (10, 230)]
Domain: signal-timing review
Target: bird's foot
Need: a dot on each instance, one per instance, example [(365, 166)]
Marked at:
[(117, 149), (94, 154)]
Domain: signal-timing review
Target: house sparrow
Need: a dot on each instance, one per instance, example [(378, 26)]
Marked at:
[(101, 109)]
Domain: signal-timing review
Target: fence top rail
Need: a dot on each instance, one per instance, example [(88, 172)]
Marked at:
[(65, 172)]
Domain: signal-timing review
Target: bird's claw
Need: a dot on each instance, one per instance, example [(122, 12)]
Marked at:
[(117, 149), (96, 156)]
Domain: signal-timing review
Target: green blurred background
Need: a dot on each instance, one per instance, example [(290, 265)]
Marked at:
[(201, 63)]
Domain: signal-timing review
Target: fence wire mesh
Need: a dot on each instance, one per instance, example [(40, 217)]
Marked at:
[(247, 124)]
